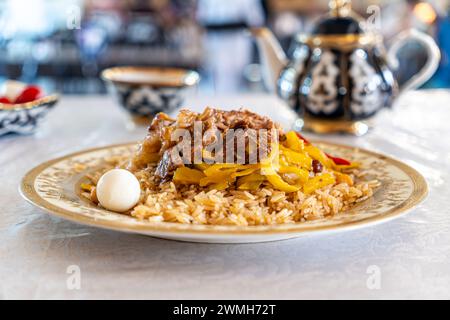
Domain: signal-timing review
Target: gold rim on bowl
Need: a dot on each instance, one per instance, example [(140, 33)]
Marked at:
[(30, 105), (28, 191), (151, 76)]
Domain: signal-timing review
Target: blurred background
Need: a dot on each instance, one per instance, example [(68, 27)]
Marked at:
[(63, 45)]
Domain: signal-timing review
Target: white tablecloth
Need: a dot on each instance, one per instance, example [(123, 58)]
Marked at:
[(409, 256)]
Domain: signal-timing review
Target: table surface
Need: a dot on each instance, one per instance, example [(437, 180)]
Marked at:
[(409, 257)]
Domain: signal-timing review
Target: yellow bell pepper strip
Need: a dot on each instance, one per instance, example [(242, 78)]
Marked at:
[(228, 172), (251, 185), (294, 142), (302, 174), (250, 182), (318, 182), (269, 171), (296, 158), (283, 161), (187, 175), (219, 186), (343, 178), (278, 183), (247, 170), (220, 176), (219, 168), (250, 178), (318, 155)]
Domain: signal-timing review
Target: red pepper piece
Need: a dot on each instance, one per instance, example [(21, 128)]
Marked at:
[(303, 138), (5, 100), (30, 93), (339, 161)]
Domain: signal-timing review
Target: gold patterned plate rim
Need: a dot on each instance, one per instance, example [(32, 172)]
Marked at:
[(127, 223)]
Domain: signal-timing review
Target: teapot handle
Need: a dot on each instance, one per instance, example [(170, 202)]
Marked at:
[(430, 67)]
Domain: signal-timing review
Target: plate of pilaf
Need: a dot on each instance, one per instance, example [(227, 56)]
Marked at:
[(224, 177)]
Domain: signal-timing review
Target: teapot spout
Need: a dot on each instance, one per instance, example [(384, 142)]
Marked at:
[(273, 59)]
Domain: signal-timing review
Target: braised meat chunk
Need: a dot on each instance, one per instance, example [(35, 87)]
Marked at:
[(213, 124)]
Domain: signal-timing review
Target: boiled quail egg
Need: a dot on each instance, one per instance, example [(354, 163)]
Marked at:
[(118, 190)]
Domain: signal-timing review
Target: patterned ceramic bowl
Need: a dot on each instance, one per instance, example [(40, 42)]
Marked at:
[(24, 118), (145, 91)]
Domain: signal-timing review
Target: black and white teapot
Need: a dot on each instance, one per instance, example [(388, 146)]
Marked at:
[(339, 76)]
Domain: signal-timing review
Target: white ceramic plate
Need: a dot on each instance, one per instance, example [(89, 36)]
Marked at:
[(54, 187)]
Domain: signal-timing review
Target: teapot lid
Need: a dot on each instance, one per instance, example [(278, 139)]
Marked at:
[(339, 21), (341, 29), (337, 25)]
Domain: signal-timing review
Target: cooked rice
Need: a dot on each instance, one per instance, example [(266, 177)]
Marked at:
[(192, 204)]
